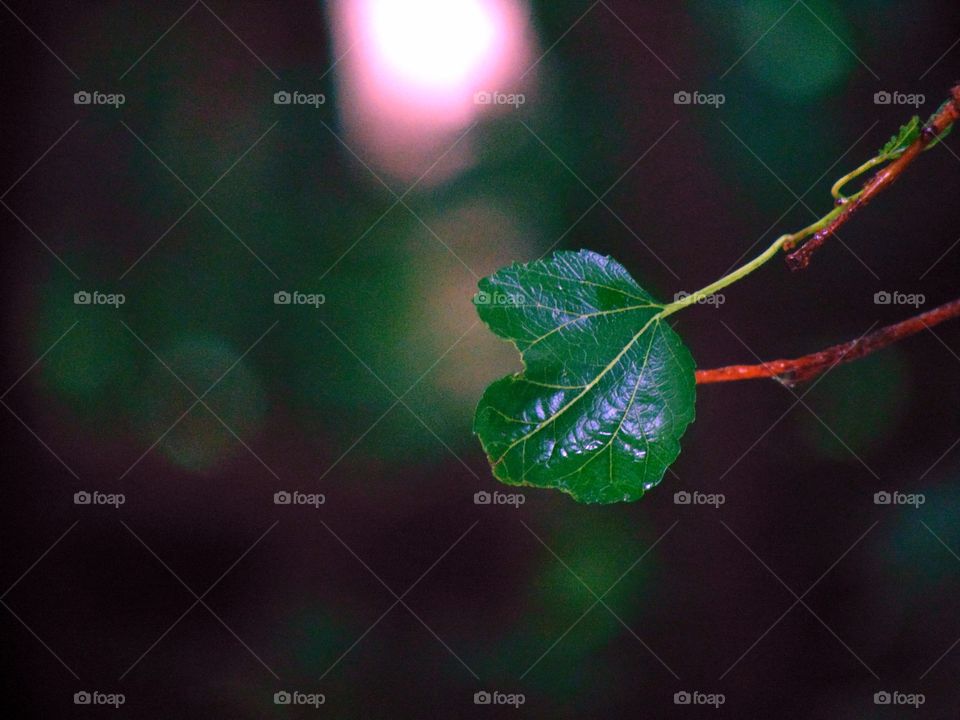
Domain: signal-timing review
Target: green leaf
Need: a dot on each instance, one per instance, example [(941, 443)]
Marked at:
[(908, 133), (897, 144), (607, 389)]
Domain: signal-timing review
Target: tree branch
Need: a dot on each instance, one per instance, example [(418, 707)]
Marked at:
[(802, 369), (883, 178)]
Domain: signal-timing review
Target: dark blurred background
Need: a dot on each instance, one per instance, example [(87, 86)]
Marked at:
[(200, 197)]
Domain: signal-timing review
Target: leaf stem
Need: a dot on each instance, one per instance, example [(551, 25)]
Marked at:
[(802, 369), (854, 174), (744, 270)]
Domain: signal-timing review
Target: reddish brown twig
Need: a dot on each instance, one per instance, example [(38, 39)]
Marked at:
[(802, 369), (800, 258)]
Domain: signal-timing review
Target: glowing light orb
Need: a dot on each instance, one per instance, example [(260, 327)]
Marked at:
[(410, 73), (436, 44)]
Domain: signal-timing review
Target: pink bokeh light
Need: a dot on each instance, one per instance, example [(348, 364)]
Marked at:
[(409, 72)]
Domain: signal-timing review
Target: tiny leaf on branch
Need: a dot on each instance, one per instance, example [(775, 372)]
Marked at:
[(608, 387), (897, 144), (909, 133)]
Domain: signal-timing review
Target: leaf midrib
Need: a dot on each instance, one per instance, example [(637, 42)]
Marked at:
[(587, 388)]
